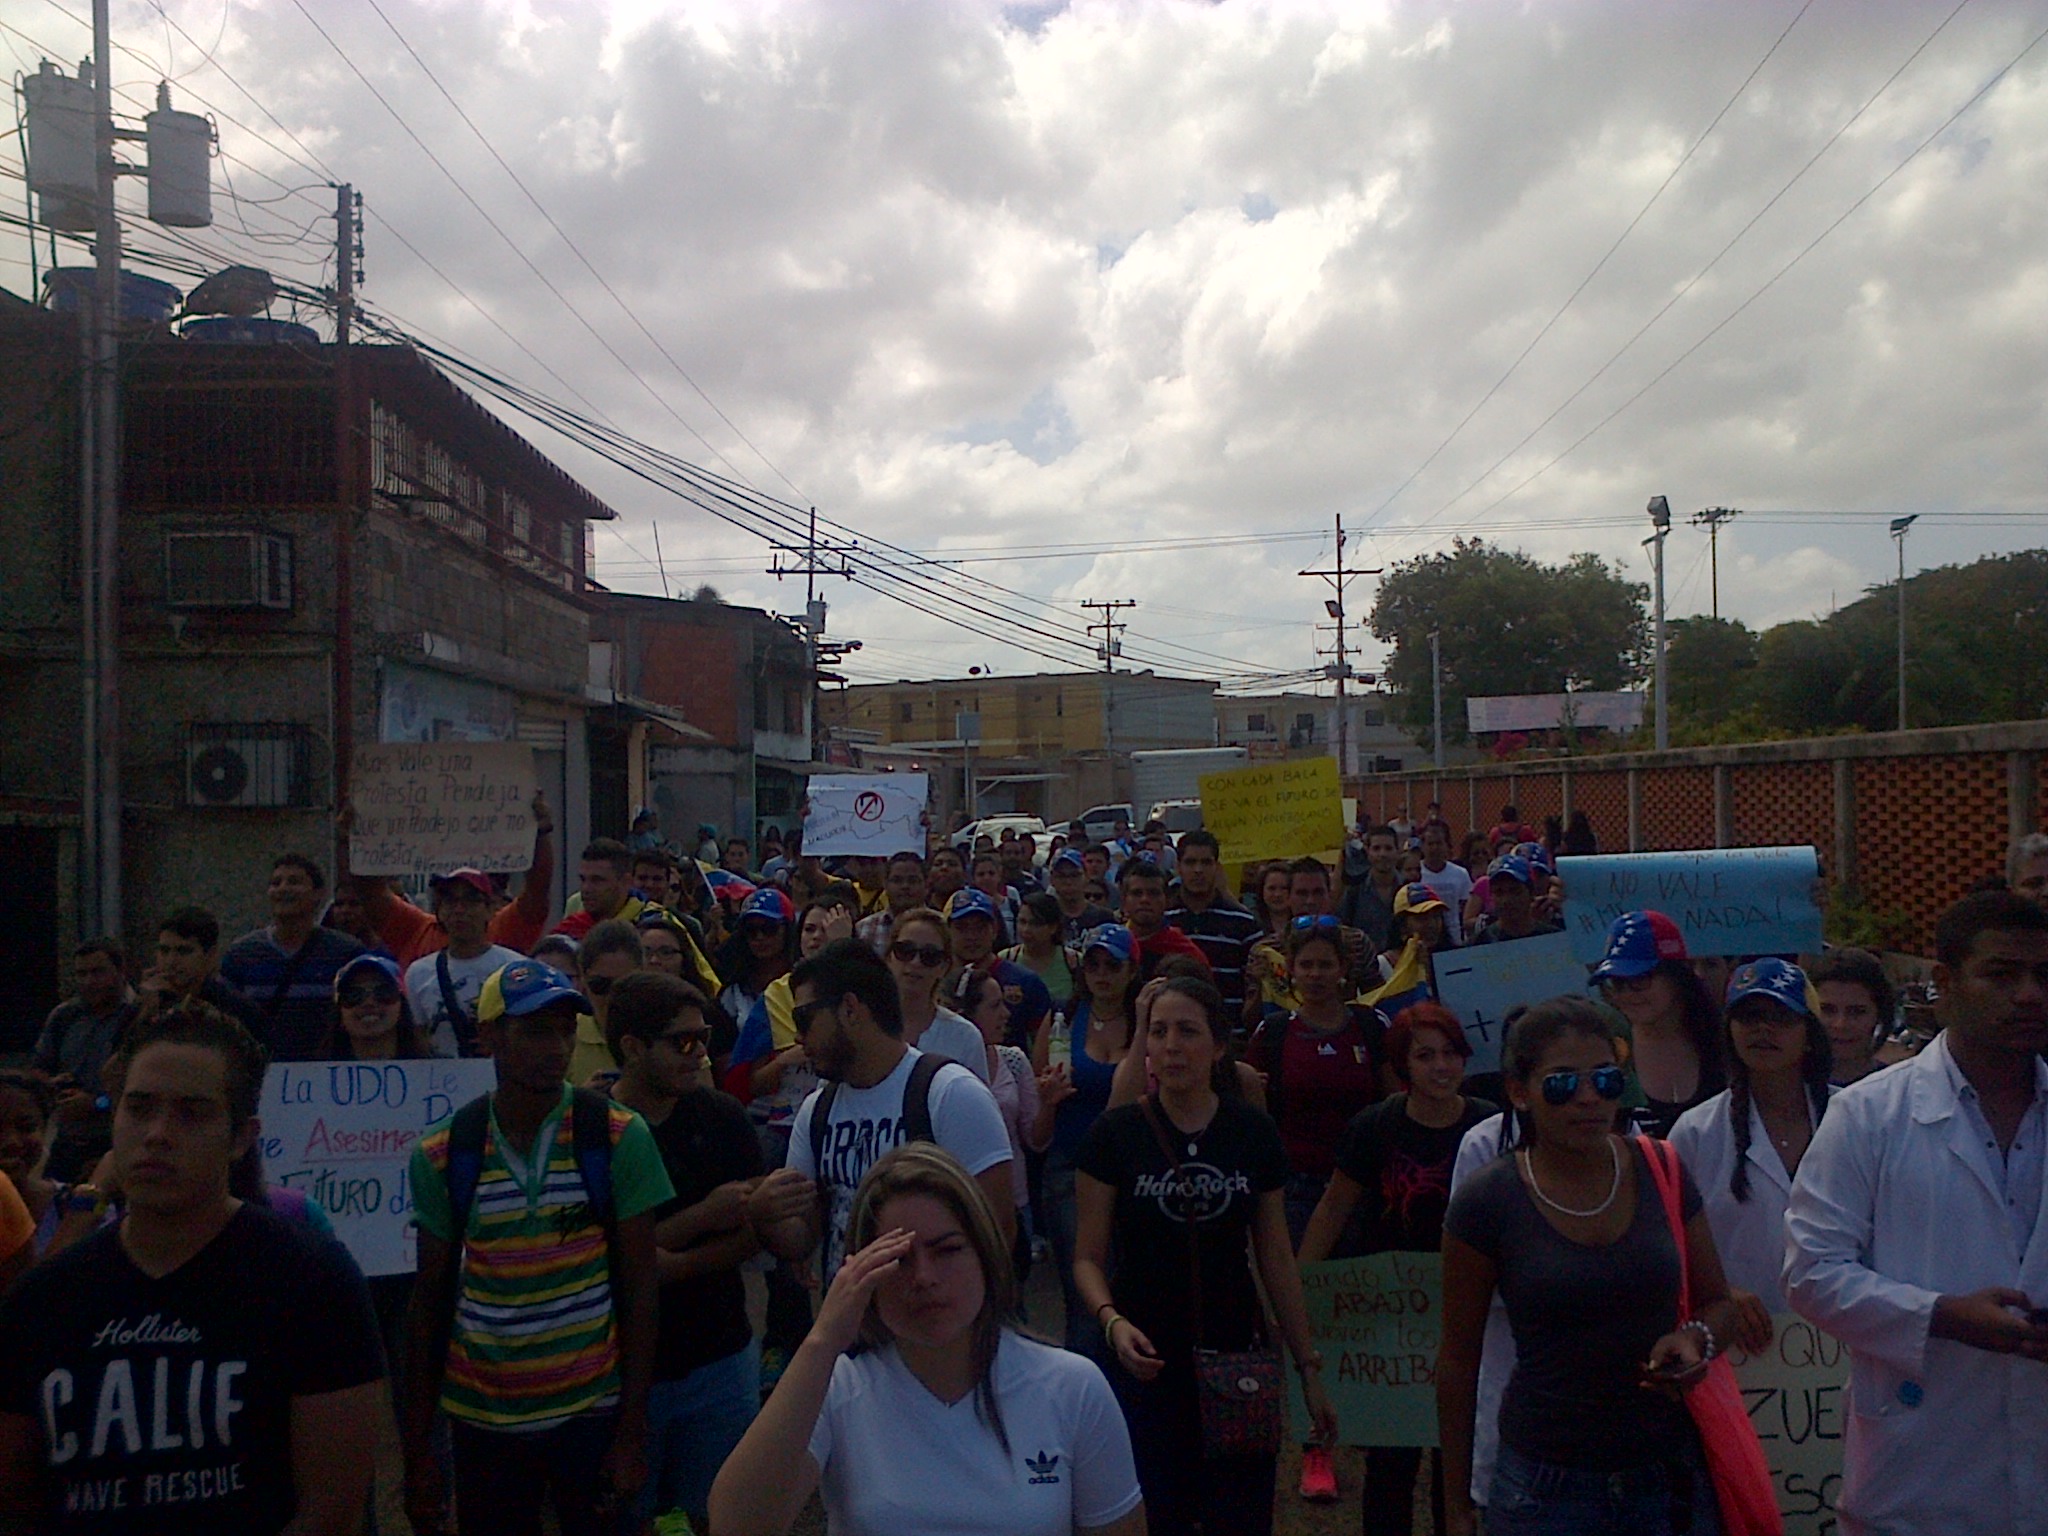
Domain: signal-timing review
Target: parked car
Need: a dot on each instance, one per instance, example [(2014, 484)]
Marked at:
[(993, 826), (1179, 815), (1099, 822)]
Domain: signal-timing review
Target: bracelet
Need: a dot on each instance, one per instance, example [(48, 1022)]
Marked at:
[(1709, 1346), (1109, 1328), (1107, 1306)]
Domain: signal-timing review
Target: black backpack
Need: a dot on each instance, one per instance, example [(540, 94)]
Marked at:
[(917, 1109)]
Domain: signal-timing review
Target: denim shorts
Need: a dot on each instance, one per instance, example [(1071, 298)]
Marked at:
[(1661, 1498)]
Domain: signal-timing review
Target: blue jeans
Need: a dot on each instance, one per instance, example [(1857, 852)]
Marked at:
[(1664, 1498), (693, 1423), (1064, 1216)]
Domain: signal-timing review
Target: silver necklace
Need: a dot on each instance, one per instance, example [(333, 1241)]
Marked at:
[(1614, 1156)]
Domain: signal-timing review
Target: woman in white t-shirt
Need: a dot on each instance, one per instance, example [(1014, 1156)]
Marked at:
[(945, 1418), (919, 955)]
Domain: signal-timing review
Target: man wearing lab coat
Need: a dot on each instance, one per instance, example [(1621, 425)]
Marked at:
[(1915, 1235)]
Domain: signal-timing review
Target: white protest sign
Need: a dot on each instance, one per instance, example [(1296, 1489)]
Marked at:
[(1797, 1393), (1482, 982), (342, 1133), (423, 808), (867, 815)]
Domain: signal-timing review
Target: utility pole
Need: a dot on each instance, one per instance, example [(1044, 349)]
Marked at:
[(1713, 518), (1899, 527), (1340, 669), (1109, 650), (1436, 692), (99, 588), (1660, 519), (348, 251), (817, 559)]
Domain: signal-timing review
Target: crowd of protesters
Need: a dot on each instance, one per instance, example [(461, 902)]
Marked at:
[(891, 1087)]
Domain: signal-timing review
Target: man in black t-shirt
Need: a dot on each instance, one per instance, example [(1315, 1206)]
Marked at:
[(204, 1366), (707, 1366)]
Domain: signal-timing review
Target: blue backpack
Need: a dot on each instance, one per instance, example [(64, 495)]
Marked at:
[(590, 1126)]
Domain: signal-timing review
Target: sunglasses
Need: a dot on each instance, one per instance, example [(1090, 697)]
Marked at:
[(920, 954), (369, 992), (801, 1015), (1560, 1088), (597, 986), (1318, 920), (688, 1040)]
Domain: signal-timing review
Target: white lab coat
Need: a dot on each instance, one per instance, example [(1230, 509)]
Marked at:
[(1896, 1204), (1481, 1147), (1748, 1234)]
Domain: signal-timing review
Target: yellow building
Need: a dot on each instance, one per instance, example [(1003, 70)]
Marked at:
[(1041, 744)]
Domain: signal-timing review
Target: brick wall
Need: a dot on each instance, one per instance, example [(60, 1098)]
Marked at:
[(1932, 811)]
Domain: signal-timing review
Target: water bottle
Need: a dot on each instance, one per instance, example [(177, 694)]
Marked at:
[(1059, 1046)]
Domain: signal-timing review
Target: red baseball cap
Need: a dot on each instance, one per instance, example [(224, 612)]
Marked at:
[(475, 879)]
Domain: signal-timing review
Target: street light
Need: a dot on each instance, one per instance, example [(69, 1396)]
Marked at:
[(1899, 527), (1660, 519)]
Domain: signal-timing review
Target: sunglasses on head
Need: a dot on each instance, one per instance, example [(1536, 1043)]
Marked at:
[(1560, 1088), (1316, 920), (357, 995), (921, 954)]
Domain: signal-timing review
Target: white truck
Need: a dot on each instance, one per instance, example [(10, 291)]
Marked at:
[(1177, 775)]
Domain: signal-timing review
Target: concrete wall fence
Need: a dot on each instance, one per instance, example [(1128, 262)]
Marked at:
[(1905, 821)]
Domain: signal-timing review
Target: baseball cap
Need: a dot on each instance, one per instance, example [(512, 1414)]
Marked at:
[(1417, 898), (1115, 938), (1770, 978), (383, 965), (523, 987), (475, 879), (1510, 867), (1067, 858), (1537, 855), (1637, 943), (969, 901), (768, 904)]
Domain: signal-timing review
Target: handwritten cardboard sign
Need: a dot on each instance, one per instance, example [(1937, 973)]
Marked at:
[(1377, 1322), (1797, 1392), (866, 815), (424, 808), (1726, 901), (1482, 982), (343, 1132), (1275, 810)]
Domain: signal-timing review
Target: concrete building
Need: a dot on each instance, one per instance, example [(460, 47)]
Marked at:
[(741, 679), (1049, 744), (314, 552), (1292, 725)]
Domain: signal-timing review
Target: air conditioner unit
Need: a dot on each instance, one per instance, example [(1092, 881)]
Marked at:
[(233, 766), (228, 568)]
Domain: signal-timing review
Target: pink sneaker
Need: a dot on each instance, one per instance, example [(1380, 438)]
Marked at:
[(1318, 1475)]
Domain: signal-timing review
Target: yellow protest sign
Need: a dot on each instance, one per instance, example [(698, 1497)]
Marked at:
[(1275, 810)]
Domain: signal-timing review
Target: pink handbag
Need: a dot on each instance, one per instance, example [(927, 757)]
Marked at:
[(1735, 1457)]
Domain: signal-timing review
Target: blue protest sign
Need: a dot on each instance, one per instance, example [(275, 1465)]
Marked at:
[(1726, 901), (1480, 984)]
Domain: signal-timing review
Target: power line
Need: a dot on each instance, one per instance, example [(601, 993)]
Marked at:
[(577, 251), (1598, 266)]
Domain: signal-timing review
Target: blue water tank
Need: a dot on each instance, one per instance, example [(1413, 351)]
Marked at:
[(252, 330), (144, 300)]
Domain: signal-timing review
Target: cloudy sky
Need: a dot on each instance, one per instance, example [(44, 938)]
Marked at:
[(1130, 300)]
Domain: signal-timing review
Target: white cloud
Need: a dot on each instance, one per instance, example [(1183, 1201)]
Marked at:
[(1154, 272)]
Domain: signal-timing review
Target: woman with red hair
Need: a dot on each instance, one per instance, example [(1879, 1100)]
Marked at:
[(1393, 1175)]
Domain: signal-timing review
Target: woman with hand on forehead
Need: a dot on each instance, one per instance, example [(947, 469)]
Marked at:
[(947, 1419)]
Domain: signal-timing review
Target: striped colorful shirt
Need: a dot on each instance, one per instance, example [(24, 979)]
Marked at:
[(533, 1342)]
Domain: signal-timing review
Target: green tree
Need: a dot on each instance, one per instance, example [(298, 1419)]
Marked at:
[(1509, 624), (1709, 664)]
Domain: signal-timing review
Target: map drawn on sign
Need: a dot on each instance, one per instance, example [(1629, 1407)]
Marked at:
[(867, 815)]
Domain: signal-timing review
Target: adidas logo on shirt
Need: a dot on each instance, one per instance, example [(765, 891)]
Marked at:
[(1045, 1468)]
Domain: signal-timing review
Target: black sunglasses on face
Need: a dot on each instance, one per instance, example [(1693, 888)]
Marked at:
[(922, 954), (357, 996), (597, 986), (801, 1015), (687, 1040), (1560, 1088)]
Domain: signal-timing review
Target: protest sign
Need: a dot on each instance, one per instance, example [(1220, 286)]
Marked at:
[(1376, 1321), (1726, 901), (342, 1133), (1482, 982), (1797, 1393), (422, 808), (866, 815), (1275, 810)]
